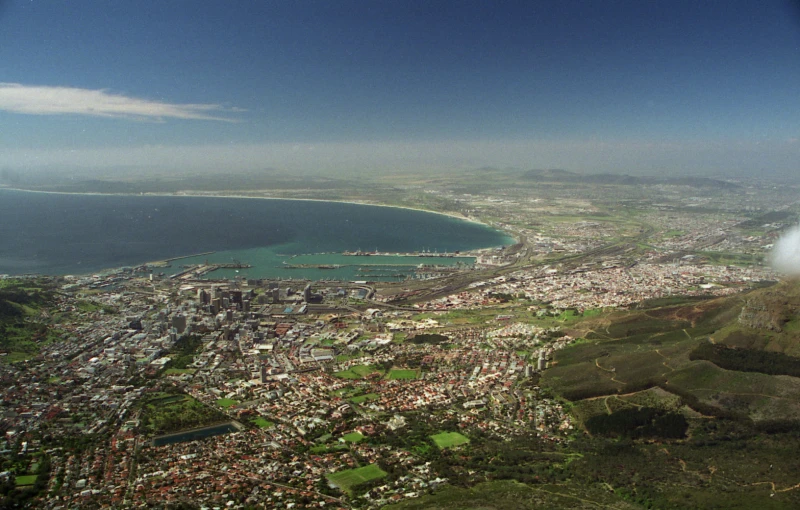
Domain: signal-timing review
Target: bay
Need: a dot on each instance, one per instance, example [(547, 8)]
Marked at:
[(51, 233)]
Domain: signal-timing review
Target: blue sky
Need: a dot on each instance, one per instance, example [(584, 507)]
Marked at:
[(333, 86)]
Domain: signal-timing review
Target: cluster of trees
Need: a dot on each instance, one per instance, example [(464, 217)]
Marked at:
[(640, 327), (184, 351), (747, 360), (518, 458), (406, 360), (691, 400), (12, 496), (428, 338), (188, 344), (598, 390), (412, 437), (11, 296), (687, 397), (385, 366), (180, 416), (504, 297), (524, 459), (646, 422)]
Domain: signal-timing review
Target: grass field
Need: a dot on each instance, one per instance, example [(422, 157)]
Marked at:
[(353, 437), (402, 374), (348, 479), (226, 402), (449, 439), (262, 423), (593, 312), (350, 355), (363, 398), (322, 448), (26, 479), (15, 356), (178, 371), (356, 372), (87, 306)]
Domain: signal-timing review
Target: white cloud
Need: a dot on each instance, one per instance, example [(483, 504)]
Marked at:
[(785, 255), (44, 100)]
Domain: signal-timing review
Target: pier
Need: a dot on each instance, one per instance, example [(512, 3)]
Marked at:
[(190, 256), (336, 266), (376, 253), (312, 266), (199, 270)]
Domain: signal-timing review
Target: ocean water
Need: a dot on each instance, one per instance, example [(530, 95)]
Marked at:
[(50, 233)]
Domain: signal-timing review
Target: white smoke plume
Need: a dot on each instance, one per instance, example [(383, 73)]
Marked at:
[(785, 255)]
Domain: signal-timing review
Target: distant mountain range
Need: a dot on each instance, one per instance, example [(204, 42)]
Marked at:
[(556, 175)]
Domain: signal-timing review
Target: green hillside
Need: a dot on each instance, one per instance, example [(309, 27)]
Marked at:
[(677, 404), (21, 334), (729, 357)]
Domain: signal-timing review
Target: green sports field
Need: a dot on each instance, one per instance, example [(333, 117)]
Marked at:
[(179, 371), (26, 480), (363, 398), (449, 439), (402, 374), (263, 423), (348, 479), (226, 402), (353, 437), (356, 372)]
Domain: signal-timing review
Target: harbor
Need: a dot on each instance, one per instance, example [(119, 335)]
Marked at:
[(200, 270), (423, 253), (374, 266)]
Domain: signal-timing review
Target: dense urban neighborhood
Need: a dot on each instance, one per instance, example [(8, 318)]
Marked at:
[(130, 388)]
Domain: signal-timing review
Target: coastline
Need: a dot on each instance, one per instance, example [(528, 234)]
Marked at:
[(216, 194)]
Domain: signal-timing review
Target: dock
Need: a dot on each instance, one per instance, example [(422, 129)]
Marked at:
[(166, 262), (337, 266), (200, 270), (376, 253), (190, 256)]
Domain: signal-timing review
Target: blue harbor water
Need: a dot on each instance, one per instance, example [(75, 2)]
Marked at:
[(50, 233), (268, 263)]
